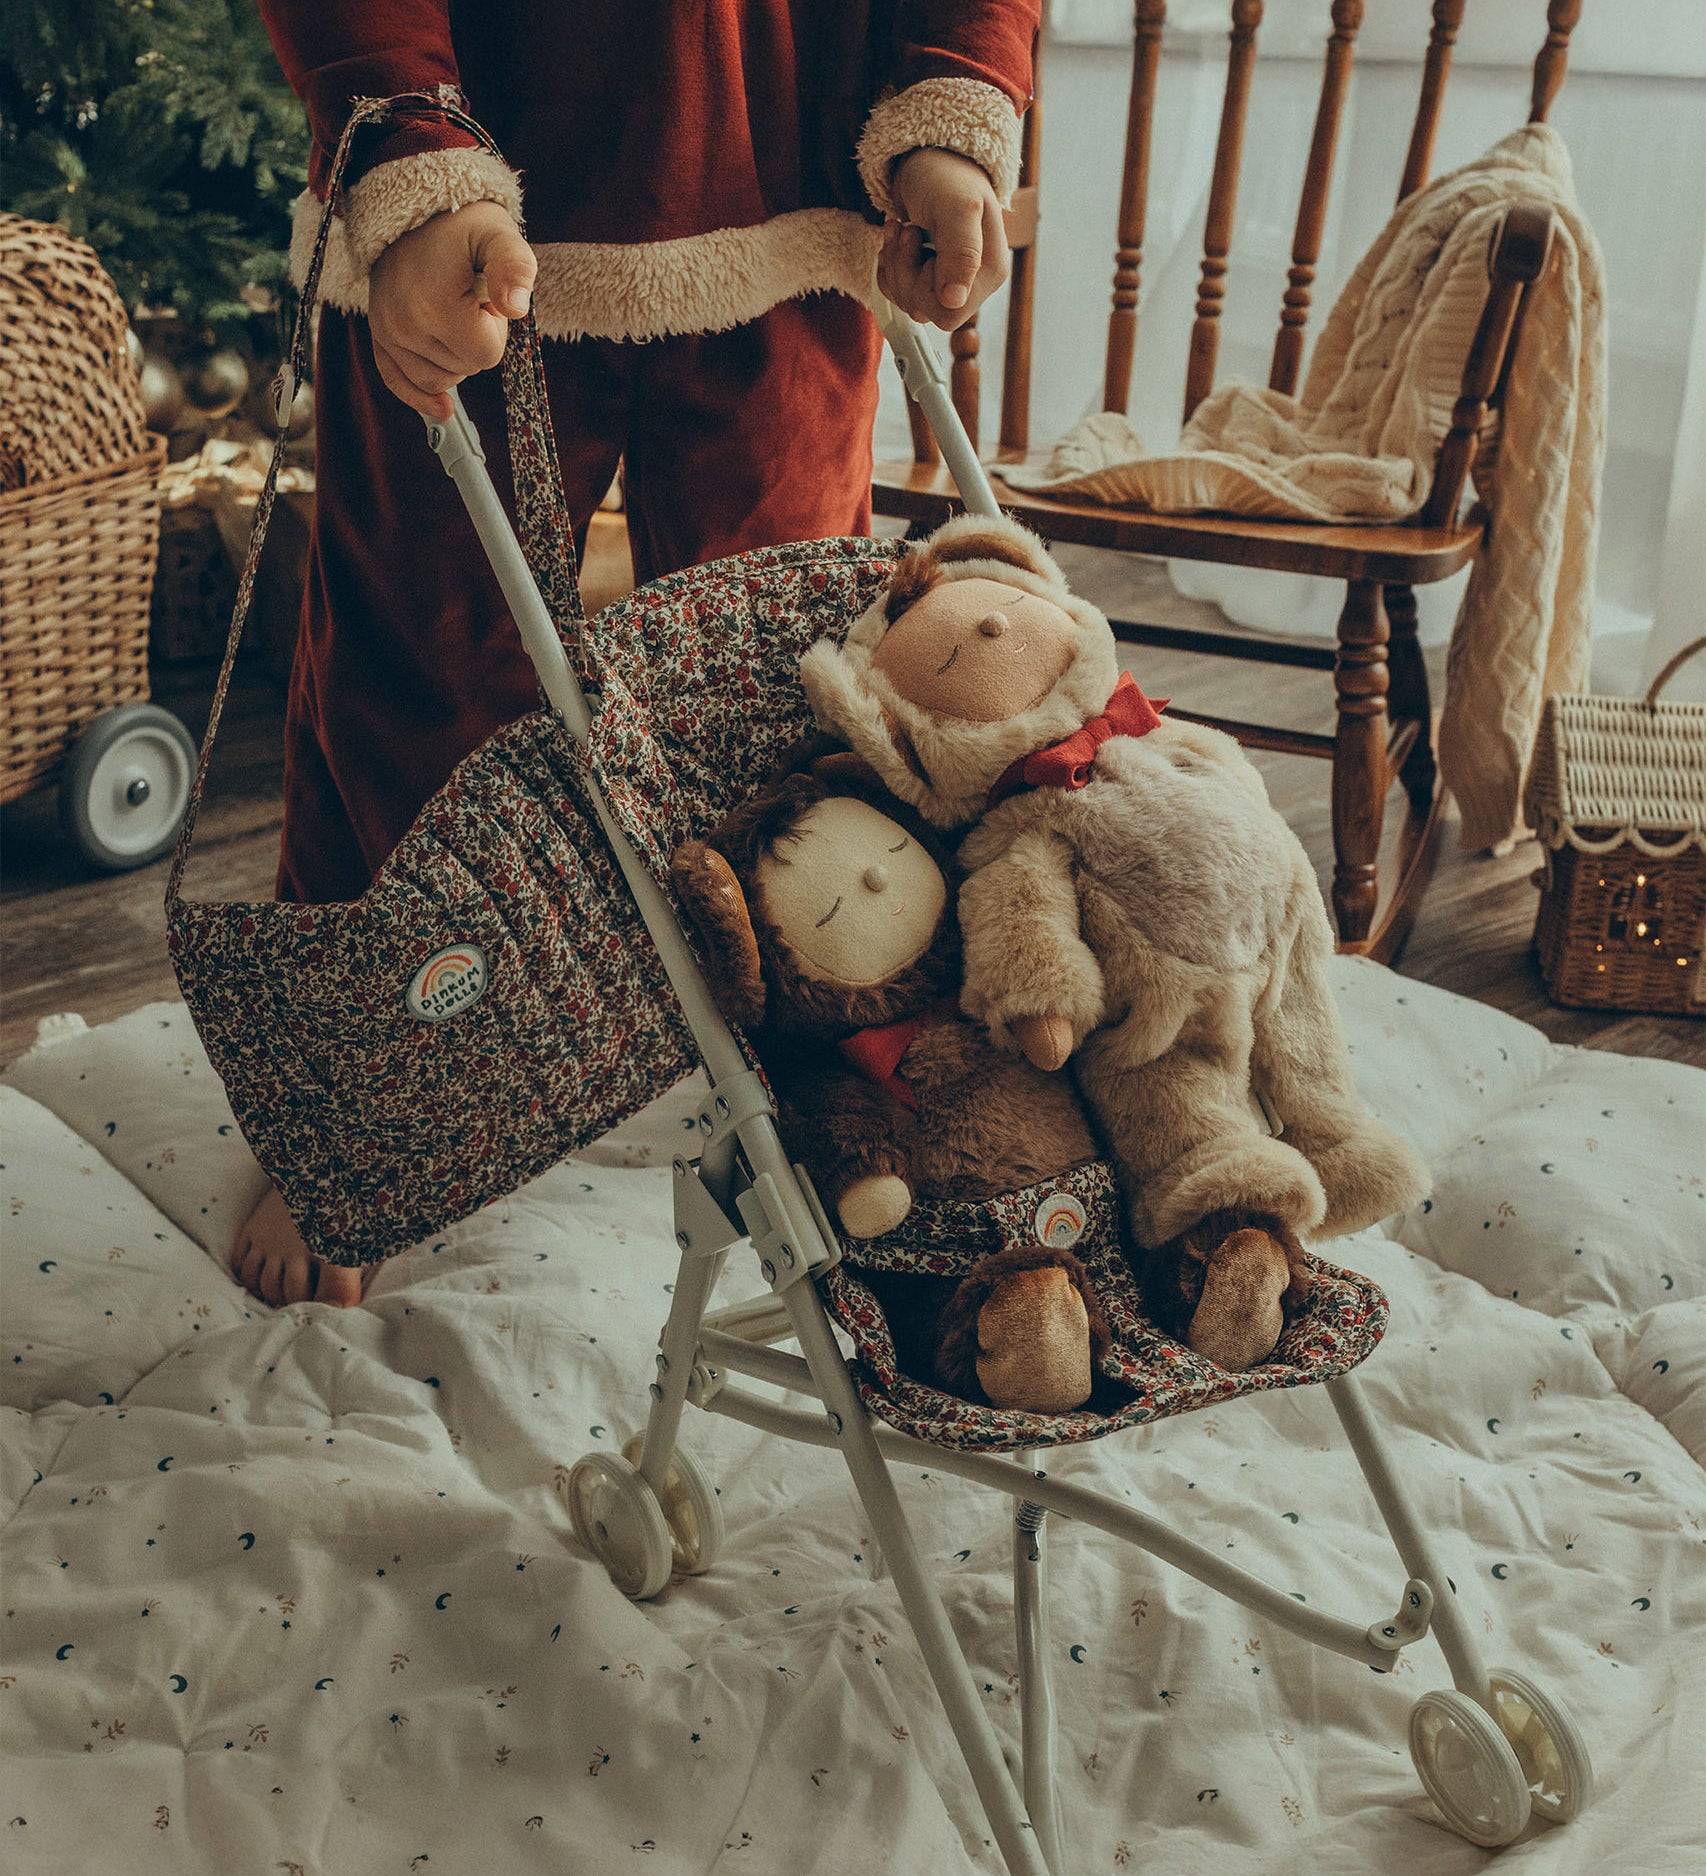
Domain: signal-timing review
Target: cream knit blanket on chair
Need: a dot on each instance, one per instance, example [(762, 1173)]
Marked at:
[(1359, 445)]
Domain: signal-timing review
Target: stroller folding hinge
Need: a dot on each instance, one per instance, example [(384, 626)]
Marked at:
[(1410, 1624), (704, 1384), (734, 1100), (789, 1246), (702, 1227)]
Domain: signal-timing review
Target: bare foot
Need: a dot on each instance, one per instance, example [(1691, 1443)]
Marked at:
[(272, 1262)]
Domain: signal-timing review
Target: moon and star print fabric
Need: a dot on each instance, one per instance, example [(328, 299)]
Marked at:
[(295, 1590)]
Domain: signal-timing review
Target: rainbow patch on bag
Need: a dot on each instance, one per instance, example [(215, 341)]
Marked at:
[(1059, 1221), (449, 982)]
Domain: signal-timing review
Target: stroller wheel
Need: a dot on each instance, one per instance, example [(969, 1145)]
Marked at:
[(617, 1517), (126, 785), (1469, 1768), (690, 1509), (1548, 1745)]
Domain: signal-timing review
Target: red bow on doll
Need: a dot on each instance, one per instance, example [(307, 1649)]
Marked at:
[(1068, 764)]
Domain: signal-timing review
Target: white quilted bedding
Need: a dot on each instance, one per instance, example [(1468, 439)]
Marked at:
[(292, 1590)]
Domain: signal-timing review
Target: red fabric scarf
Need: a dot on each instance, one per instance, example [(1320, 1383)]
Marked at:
[(1068, 764), (875, 1053)]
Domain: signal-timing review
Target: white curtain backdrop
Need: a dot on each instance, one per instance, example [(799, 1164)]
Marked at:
[(1633, 111)]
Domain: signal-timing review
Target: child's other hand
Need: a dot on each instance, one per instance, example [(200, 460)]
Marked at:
[(947, 205), (430, 327)]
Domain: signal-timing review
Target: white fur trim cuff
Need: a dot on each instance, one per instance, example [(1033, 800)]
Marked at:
[(960, 114), (388, 202), (650, 289)]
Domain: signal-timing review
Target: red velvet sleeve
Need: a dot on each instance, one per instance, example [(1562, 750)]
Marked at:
[(336, 51), (993, 41)]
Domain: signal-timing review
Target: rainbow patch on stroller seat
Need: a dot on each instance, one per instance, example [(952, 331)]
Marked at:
[(1059, 1221)]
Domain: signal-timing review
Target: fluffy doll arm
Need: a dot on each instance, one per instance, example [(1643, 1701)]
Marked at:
[(859, 1142), (1029, 975)]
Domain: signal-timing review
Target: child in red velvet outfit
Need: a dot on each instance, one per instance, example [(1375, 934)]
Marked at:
[(708, 184)]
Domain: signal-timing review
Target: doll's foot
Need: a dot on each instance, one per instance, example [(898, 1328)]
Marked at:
[(1033, 1343), (1240, 1315), (1025, 1331), (271, 1261)]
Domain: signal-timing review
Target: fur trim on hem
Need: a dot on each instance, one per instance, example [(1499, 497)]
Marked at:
[(960, 114), (639, 290), (702, 283), (1257, 1175)]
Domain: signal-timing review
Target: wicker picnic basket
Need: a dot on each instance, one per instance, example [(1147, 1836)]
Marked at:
[(1617, 795), (79, 503)]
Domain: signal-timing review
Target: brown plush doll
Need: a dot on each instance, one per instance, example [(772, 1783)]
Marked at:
[(1130, 896), (830, 936)]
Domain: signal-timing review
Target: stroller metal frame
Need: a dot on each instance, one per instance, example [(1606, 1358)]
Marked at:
[(1489, 1753)]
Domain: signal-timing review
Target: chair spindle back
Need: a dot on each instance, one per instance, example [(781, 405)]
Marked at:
[(1436, 69), (1151, 16), (1148, 22), (1222, 203), (1246, 18), (1312, 208)]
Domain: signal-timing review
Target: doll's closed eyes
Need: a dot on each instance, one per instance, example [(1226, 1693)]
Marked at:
[(852, 893), (977, 650)]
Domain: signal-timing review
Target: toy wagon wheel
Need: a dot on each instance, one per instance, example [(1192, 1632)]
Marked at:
[(618, 1518), (1469, 1768), (1548, 1745), (690, 1508), (126, 785)]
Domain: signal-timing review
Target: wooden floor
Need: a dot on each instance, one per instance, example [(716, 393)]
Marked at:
[(97, 945)]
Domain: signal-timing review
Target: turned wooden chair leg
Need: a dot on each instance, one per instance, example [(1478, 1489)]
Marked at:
[(1360, 773), (1410, 701)]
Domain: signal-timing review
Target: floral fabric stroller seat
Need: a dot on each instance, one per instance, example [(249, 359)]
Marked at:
[(1145, 1375)]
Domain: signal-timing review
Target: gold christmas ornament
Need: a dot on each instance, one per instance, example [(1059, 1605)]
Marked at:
[(215, 382), (162, 392)]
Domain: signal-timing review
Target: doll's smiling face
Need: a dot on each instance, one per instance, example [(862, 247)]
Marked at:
[(977, 650), (853, 894)]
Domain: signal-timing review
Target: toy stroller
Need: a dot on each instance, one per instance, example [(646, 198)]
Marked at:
[(1490, 1751)]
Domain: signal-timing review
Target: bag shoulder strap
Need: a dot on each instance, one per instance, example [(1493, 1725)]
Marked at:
[(547, 534)]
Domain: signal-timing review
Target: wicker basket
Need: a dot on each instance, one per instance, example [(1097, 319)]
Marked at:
[(1617, 795), (79, 502), (194, 588)]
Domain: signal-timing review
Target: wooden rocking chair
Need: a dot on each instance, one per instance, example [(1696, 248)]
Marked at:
[(1385, 721)]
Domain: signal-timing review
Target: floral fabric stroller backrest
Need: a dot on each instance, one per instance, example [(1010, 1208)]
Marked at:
[(491, 1003)]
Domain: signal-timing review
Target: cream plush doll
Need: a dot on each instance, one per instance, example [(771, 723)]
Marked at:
[(1131, 900)]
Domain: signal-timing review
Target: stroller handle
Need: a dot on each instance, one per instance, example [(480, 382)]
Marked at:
[(920, 368), (456, 443)]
